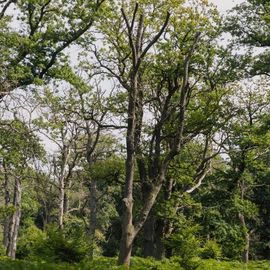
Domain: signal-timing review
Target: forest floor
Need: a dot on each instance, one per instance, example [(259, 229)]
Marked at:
[(137, 264)]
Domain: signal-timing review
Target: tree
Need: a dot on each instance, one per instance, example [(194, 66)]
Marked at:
[(17, 151), (249, 25), (132, 46), (239, 177)]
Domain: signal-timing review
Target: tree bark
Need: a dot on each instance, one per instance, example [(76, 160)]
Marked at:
[(14, 220)]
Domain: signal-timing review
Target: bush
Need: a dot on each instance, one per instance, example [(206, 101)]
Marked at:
[(2, 250), (63, 246), (211, 250), (31, 238), (69, 245), (186, 245)]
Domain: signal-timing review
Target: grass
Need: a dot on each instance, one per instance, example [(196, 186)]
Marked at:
[(227, 265), (137, 264)]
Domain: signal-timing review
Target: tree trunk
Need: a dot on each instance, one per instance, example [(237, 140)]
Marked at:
[(93, 215), (246, 249), (127, 239), (159, 234), (245, 255), (128, 233), (66, 198), (148, 237), (7, 201), (61, 202), (163, 224), (14, 220)]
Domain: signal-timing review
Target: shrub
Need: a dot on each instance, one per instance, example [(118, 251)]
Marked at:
[(60, 246), (31, 237), (2, 250), (69, 245), (211, 250), (186, 245)]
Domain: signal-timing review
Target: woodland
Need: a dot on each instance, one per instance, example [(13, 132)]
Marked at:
[(134, 135)]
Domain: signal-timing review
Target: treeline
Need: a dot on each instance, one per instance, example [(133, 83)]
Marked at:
[(131, 129)]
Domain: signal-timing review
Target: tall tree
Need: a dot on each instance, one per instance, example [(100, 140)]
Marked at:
[(166, 83)]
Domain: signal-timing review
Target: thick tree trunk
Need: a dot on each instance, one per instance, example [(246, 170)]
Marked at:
[(14, 220), (128, 232), (159, 234), (163, 224), (126, 243), (149, 237), (93, 215)]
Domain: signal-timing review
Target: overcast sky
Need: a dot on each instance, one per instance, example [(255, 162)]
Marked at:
[(224, 5)]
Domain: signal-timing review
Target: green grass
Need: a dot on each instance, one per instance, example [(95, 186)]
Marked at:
[(227, 265), (137, 264)]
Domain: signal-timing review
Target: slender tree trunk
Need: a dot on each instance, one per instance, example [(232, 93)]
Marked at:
[(246, 250), (66, 195), (14, 220), (7, 201), (93, 215), (61, 202), (245, 255)]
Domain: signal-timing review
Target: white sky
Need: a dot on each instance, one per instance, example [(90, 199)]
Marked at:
[(224, 5)]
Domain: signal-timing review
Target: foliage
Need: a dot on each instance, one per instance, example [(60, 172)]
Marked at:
[(186, 245), (31, 237), (53, 245), (211, 250)]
